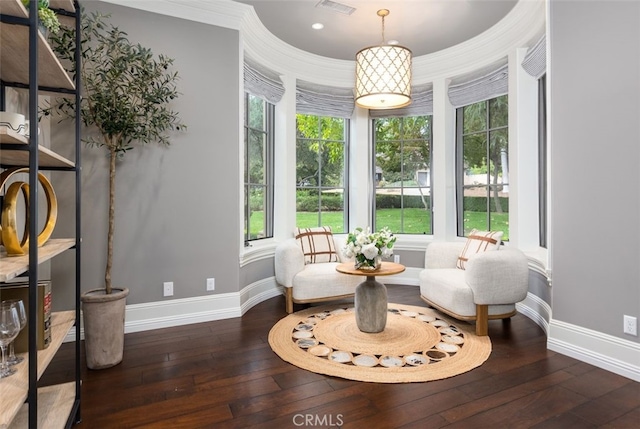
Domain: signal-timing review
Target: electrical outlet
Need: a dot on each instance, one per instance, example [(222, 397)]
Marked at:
[(211, 284), (396, 259), (630, 325), (167, 289)]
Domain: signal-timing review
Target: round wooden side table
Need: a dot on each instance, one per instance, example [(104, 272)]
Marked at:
[(370, 298)]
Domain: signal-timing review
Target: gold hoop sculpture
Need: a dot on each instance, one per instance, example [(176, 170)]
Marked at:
[(8, 230)]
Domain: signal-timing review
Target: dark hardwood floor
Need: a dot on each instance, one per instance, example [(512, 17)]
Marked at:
[(223, 374)]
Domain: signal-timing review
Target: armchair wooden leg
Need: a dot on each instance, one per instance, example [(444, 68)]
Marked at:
[(482, 320), (288, 293)]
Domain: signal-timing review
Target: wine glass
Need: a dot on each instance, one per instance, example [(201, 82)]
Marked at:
[(22, 315), (9, 328)]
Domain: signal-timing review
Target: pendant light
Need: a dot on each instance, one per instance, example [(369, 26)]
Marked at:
[(383, 74)]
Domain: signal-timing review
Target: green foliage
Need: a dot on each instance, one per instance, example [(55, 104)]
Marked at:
[(126, 92), (478, 220), (320, 151), (398, 201), (477, 122), (402, 146), (47, 17), (308, 202), (126, 89), (479, 204)]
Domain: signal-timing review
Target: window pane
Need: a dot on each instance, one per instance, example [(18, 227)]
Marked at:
[(484, 181), (499, 112), (499, 206), (475, 157), (320, 172), (498, 164), (332, 167), (257, 221), (256, 113), (475, 117), (387, 129), (258, 168), (257, 145), (308, 212), (307, 163), (416, 127), (402, 172), (475, 208)]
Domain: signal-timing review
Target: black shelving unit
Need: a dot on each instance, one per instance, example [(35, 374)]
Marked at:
[(22, 403)]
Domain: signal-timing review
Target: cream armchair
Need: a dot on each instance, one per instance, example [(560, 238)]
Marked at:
[(488, 288), (314, 282)]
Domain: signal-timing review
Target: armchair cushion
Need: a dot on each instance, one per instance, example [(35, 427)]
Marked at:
[(317, 244), (490, 286), (304, 283), (479, 241)]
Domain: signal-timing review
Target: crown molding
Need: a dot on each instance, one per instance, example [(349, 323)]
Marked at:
[(522, 27)]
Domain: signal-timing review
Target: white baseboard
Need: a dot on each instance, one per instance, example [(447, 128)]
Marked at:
[(185, 311), (537, 310), (605, 351)]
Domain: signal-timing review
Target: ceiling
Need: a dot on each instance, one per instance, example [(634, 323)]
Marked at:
[(424, 26)]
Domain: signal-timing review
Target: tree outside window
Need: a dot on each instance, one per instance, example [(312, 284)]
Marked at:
[(483, 170), (258, 168), (402, 147), (321, 172)]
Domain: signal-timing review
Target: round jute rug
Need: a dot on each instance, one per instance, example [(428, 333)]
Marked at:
[(418, 344)]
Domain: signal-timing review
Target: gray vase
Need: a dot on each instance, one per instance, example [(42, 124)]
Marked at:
[(103, 317)]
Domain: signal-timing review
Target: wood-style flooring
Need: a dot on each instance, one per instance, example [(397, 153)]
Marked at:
[(223, 374)]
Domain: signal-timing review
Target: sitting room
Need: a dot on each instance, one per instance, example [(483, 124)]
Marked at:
[(356, 214)]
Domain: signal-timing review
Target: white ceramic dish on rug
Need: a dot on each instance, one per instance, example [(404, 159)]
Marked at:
[(365, 360), (340, 356), (304, 327), (415, 360), (391, 361), (302, 334), (320, 350), (305, 343), (447, 347)]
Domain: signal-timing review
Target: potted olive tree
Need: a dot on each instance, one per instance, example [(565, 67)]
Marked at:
[(126, 92)]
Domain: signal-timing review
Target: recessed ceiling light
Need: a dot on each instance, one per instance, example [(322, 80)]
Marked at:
[(317, 26)]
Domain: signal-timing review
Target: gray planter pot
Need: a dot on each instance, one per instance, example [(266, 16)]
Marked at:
[(103, 317)]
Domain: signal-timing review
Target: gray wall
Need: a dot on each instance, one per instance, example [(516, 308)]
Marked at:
[(595, 141), (177, 207)]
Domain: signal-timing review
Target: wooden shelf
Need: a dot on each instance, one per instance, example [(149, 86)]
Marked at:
[(14, 55), (20, 158), (55, 403), (62, 4), (54, 407), (12, 266), (13, 389)]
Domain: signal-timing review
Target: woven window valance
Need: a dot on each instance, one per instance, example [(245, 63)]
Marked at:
[(490, 85), (262, 82), (321, 100), (535, 61)]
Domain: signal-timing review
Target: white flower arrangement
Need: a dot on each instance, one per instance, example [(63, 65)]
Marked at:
[(368, 247)]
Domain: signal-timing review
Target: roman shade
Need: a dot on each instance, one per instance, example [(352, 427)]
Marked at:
[(535, 61), (322, 100), (490, 85), (262, 82)]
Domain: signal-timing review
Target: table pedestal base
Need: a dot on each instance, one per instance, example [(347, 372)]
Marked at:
[(371, 305)]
